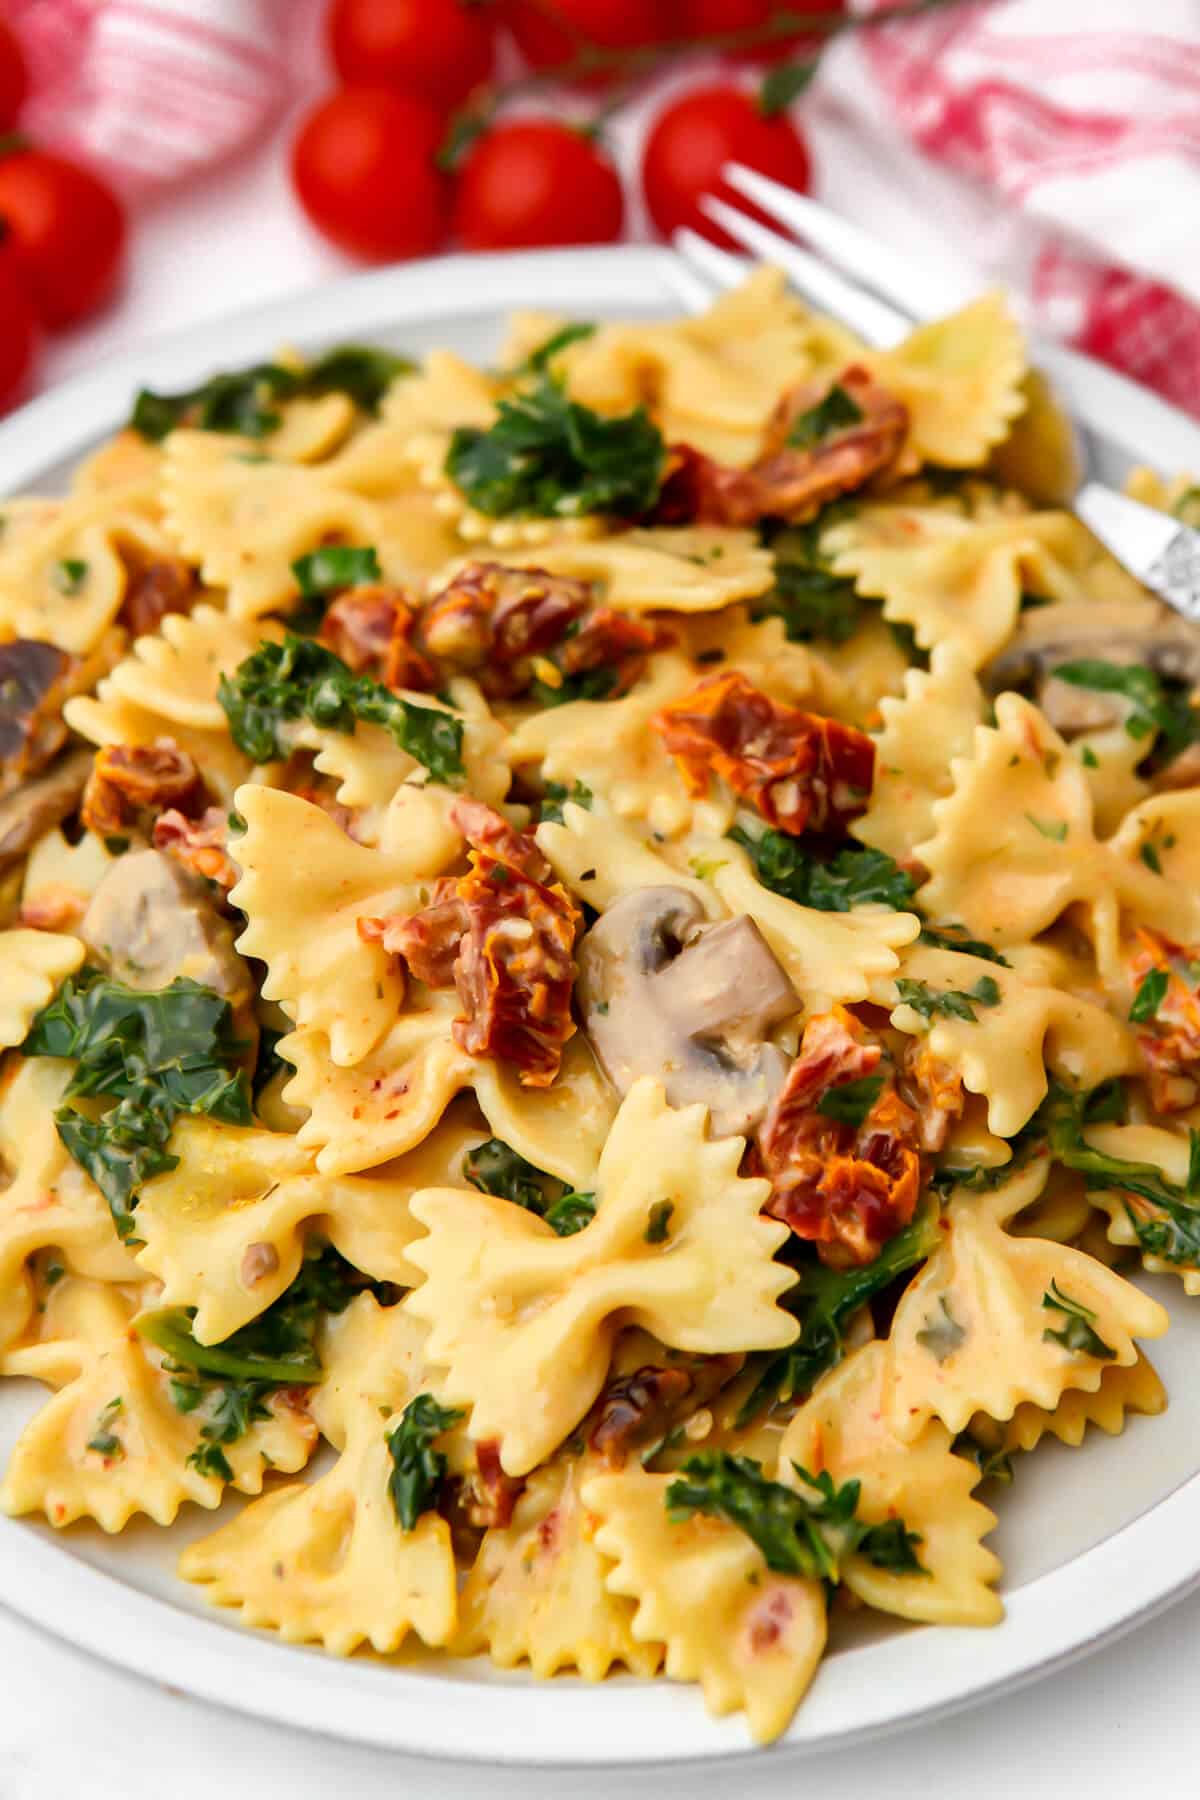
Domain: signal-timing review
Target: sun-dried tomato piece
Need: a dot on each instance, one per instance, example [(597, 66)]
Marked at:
[(799, 770), (847, 1188), (131, 784), (1169, 1040), (933, 1089), (487, 1495), (155, 587), (372, 630), (54, 907), (792, 480), (201, 845), (609, 639), (504, 935), (640, 1408), (491, 620)]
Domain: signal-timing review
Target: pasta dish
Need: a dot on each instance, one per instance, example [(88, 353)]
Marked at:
[(599, 985)]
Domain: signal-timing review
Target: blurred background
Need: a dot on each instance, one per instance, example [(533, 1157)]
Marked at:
[(165, 161)]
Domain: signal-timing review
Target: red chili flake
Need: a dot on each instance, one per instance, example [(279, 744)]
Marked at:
[(846, 1188), (129, 781), (503, 935), (790, 481), (799, 770), (372, 629), (1169, 1041)]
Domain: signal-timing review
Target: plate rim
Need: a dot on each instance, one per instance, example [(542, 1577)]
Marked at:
[(916, 1676)]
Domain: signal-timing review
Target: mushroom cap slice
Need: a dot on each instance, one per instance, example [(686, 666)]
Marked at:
[(666, 994)]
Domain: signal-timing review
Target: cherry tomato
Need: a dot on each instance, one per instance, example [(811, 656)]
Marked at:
[(67, 230), (14, 76), (610, 24), (18, 331), (692, 140), (363, 166), (710, 18), (537, 182), (440, 49)]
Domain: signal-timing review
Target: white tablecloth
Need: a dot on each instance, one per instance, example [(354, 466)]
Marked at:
[(73, 1730)]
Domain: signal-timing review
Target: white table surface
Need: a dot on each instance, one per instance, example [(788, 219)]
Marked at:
[(1117, 1723)]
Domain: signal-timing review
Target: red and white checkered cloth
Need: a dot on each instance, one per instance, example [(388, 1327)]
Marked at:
[(1050, 144)]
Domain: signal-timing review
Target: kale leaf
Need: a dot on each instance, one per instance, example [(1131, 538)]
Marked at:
[(496, 1168), (1078, 1331), (954, 937), (1154, 707), (540, 359), (157, 1055), (854, 877), (418, 1470), (850, 1101), (797, 1535), (823, 1300), (953, 1003), (301, 679), (556, 797), (546, 454), (811, 600), (335, 566), (246, 401), (837, 411), (279, 1347)]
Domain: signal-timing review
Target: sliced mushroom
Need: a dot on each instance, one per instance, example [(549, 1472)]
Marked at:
[(1148, 633), (32, 676), (666, 994), (38, 806), (149, 921)]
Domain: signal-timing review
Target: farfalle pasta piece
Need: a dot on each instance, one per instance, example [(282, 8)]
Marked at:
[(33, 964), (686, 569), (1008, 1033), (536, 1592), (174, 671), (932, 722), (225, 1232), (112, 1442), (328, 1562), (245, 516), (676, 1246), (389, 1101), (972, 1332), (47, 1202), (960, 378), (845, 1431), (304, 887), (1014, 846), (60, 878), (960, 580), (115, 719), (62, 574), (751, 1638), (1136, 1388), (600, 859)]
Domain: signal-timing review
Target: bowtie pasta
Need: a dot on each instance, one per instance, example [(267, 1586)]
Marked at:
[(616, 938)]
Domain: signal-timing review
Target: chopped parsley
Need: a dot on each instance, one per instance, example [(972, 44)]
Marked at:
[(954, 1003), (941, 1334), (1151, 993), (850, 1101), (418, 1470), (334, 567), (806, 1533), (556, 796), (69, 575), (546, 454), (1054, 829), (838, 411), (246, 401), (1078, 1333), (104, 1440), (157, 1055), (658, 1226), (301, 679)]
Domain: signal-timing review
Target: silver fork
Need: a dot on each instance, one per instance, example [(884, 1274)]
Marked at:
[(880, 295)]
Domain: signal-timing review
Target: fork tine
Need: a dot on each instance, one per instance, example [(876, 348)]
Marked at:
[(878, 323), (694, 293), (923, 294), (721, 266)]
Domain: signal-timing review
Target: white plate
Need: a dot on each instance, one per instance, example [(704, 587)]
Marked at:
[(1092, 1540)]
